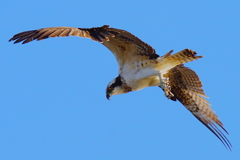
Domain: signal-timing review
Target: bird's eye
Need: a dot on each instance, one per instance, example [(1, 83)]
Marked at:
[(109, 89)]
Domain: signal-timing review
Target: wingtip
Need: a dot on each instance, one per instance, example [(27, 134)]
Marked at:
[(11, 39), (105, 26)]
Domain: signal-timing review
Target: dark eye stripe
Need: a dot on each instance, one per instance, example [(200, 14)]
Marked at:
[(118, 82)]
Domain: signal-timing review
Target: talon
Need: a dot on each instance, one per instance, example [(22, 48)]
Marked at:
[(164, 84), (168, 93)]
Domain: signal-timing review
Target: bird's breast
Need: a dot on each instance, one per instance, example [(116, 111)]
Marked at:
[(140, 76)]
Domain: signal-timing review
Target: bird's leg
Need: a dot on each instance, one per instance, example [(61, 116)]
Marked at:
[(164, 84)]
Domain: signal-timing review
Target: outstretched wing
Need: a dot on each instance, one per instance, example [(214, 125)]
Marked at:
[(124, 45), (186, 87)]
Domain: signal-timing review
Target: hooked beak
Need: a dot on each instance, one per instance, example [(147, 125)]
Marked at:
[(108, 96)]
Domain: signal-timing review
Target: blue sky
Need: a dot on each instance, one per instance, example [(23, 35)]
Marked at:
[(53, 103)]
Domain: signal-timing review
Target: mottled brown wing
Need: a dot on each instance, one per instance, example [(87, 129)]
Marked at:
[(186, 87), (124, 45)]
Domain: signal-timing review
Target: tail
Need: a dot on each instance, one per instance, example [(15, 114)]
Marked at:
[(169, 61)]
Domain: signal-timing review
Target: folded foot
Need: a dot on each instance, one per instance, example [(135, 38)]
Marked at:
[(164, 84)]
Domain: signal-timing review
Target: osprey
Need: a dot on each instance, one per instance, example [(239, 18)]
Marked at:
[(141, 67)]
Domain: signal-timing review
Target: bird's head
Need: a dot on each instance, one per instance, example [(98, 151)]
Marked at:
[(116, 86)]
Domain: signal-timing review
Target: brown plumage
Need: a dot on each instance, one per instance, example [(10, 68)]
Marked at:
[(187, 89), (133, 57)]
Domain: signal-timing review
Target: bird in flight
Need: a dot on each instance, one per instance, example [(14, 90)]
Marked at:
[(140, 67)]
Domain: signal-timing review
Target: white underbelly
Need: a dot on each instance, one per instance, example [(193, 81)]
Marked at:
[(145, 82), (144, 78)]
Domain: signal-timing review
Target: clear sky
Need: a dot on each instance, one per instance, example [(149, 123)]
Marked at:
[(53, 103)]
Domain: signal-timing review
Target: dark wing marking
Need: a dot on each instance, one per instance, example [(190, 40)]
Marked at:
[(124, 45), (186, 87)]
